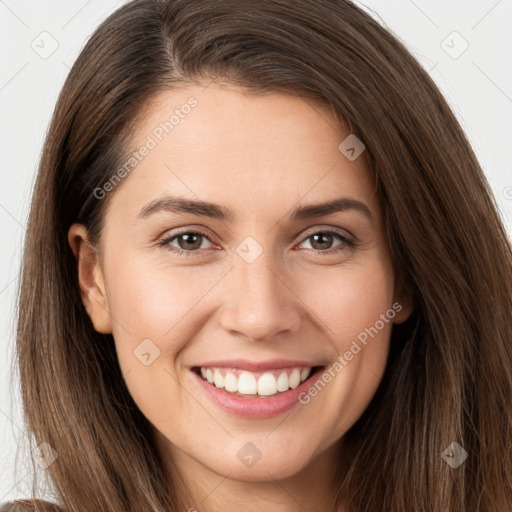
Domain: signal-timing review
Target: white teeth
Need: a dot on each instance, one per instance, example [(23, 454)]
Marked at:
[(282, 382), (267, 385), (230, 383), (305, 374), (294, 379), (218, 378), (247, 383)]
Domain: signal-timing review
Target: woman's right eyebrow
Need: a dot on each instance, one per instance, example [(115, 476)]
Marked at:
[(175, 204)]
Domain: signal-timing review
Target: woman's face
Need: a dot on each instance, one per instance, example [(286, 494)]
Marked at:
[(267, 287)]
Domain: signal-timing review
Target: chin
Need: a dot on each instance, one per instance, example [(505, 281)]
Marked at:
[(249, 465)]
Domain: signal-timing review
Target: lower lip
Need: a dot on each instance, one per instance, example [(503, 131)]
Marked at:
[(252, 406)]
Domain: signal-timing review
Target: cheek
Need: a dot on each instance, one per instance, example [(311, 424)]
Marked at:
[(155, 297), (355, 308), (348, 300), (158, 302), (156, 310)]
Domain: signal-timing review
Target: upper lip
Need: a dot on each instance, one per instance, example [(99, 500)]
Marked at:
[(254, 366)]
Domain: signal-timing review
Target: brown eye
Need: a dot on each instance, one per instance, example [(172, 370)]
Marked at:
[(188, 242), (322, 241)]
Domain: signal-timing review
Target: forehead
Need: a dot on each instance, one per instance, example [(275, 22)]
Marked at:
[(259, 153)]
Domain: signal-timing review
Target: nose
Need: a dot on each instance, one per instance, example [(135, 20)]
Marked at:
[(260, 304)]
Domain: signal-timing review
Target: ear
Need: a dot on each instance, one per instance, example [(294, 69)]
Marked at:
[(402, 303), (90, 277)]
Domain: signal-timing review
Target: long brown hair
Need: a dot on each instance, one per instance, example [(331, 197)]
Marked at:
[(448, 377)]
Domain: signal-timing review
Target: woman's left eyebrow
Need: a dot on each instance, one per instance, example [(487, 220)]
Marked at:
[(177, 204), (340, 204)]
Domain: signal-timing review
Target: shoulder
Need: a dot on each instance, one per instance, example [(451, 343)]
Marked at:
[(29, 506)]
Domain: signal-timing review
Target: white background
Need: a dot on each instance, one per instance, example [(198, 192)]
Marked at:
[(477, 84)]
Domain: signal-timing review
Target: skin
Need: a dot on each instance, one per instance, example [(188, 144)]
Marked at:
[(261, 156)]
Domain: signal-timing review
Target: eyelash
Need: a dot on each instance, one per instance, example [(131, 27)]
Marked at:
[(346, 241)]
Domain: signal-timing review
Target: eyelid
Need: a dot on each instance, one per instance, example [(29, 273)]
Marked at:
[(328, 229), (185, 230)]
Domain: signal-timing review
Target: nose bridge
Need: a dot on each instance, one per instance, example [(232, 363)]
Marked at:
[(260, 303)]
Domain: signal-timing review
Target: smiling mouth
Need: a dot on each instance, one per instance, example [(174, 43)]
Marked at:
[(265, 384)]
